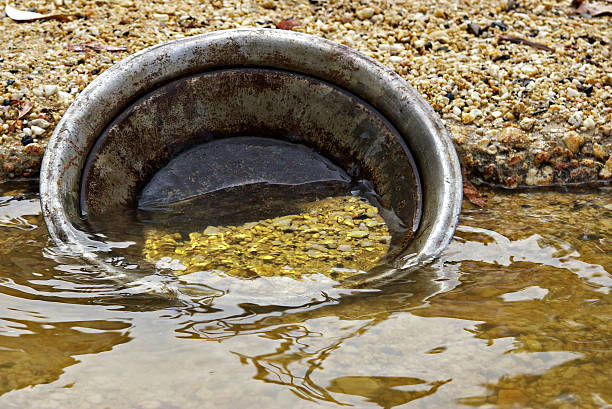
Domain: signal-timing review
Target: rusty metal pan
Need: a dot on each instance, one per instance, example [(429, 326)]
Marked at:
[(118, 88)]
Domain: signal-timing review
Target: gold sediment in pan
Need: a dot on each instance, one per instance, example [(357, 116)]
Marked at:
[(336, 236)]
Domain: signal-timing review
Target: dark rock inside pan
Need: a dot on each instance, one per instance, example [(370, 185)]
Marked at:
[(234, 180)]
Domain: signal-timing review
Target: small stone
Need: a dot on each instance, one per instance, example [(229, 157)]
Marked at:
[(345, 247), (572, 93), (282, 222), (576, 119), (439, 35), (366, 243), (365, 13), (314, 254), (358, 234), (467, 118), (598, 151), (372, 212), (440, 13), (529, 69), (269, 4), (34, 149), (527, 123), (589, 123), (457, 111), (211, 230), (37, 130), (318, 247), (371, 223), (483, 143), (542, 157), (542, 177), (475, 29), (40, 122), (161, 17), (573, 141), (26, 140), (511, 135), (27, 131), (49, 90), (606, 171)]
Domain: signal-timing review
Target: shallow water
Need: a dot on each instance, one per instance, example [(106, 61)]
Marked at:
[(517, 311)]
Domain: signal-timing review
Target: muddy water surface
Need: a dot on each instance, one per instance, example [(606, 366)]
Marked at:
[(516, 312)]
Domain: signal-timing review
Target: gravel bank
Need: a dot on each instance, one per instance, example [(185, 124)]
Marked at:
[(519, 114)]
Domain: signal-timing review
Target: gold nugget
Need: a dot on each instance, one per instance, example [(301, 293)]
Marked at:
[(337, 236)]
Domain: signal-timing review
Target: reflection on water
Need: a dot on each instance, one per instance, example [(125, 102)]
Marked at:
[(33, 353), (517, 312), (386, 391)]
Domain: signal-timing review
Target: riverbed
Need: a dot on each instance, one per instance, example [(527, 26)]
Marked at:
[(516, 312)]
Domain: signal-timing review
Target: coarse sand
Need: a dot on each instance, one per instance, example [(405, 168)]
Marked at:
[(524, 87)]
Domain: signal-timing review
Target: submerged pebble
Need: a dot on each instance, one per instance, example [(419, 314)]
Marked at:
[(322, 239)]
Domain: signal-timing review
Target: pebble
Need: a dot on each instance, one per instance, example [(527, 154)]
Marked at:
[(529, 69), (527, 123), (576, 119), (475, 29), (50, 90), (269, 4), (371, 223), (365, 13), (439, 35), (314, 253), (358, 234), (211, 230), (606, 171), (260, 248), (573, 141), (589, 123), (40, 123), (37, 130), (572, 93), (34, 149), (467, 118), (345, 247), (598, 151), (161, 17)]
